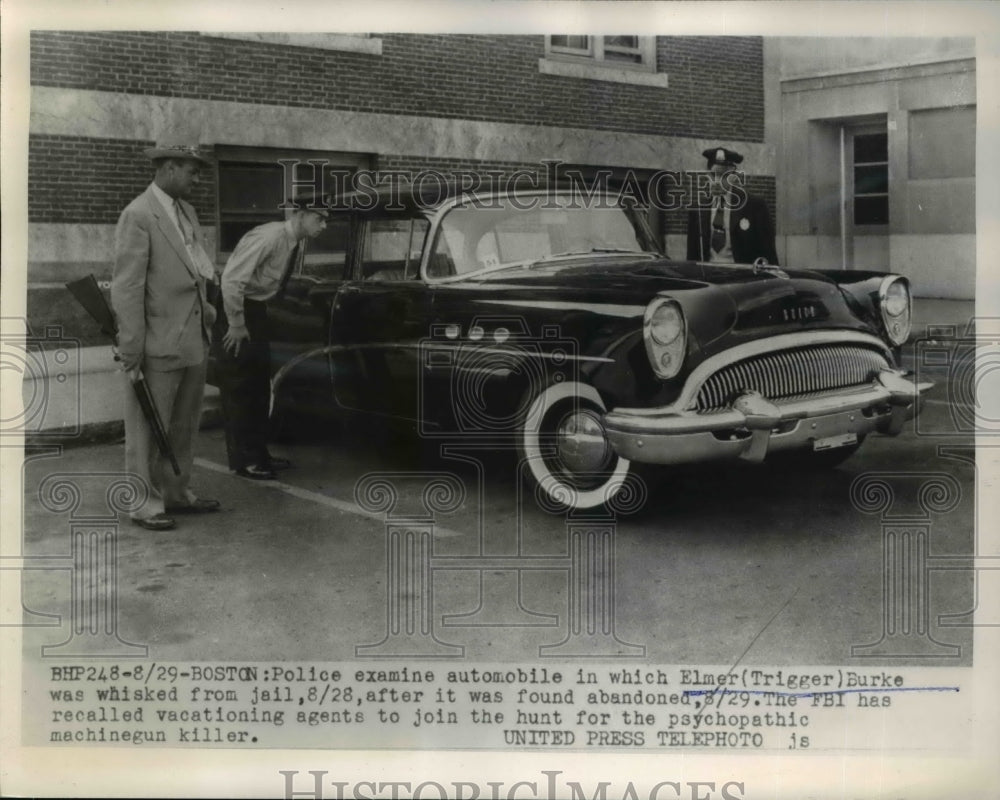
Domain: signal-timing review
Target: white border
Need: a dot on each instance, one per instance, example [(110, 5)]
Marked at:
[(78, 772)]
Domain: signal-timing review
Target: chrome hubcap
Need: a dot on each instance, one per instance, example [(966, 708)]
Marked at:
[(581, 444)]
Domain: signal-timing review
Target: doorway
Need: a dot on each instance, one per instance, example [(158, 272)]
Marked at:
[(864, 208)]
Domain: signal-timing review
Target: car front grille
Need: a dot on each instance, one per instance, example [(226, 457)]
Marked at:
[(792, 373)]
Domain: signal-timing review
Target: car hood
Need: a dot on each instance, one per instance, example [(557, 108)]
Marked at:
[(718, 300)]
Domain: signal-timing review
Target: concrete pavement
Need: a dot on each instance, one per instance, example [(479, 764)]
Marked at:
[(297, 569)]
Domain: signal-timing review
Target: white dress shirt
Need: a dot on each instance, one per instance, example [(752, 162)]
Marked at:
[(197, 253), (725, 255), (256, 267)]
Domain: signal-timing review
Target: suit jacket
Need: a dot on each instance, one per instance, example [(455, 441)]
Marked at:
[(158, 295), (750, 233)]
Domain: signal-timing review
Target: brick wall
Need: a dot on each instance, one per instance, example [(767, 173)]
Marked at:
[(88, 180), (715, 91), (85, 180), (716, 84)]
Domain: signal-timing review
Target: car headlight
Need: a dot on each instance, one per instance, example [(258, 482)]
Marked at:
[(665, 333), (666, 323), (895, 305)]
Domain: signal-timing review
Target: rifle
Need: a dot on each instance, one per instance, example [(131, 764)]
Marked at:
[(89, 295)]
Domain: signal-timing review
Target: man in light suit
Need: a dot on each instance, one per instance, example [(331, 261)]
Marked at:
[(159, 295), (736, 226)]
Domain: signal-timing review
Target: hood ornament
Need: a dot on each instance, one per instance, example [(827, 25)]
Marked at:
[(761, 265)]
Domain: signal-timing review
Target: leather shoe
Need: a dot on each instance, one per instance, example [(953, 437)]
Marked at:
[(201, 505), (157, 522), (277, 462), (255, 473)]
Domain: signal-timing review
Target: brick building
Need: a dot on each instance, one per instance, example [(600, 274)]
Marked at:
[(384, 102)]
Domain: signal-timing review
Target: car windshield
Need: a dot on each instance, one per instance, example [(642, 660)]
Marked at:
[(474, 238)]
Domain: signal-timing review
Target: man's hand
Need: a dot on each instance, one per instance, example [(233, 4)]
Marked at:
[(234, 338), (129, 361)]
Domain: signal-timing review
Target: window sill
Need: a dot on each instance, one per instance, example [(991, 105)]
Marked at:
[(372, 45), (601, 72)]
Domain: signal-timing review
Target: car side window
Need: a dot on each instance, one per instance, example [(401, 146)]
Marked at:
[(326, 256), (392, 248)]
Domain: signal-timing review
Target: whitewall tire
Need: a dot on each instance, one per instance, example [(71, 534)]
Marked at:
[(565, 453)]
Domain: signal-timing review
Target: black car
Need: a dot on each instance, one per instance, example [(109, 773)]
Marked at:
[(552, 322)]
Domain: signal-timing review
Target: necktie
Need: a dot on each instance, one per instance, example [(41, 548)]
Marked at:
[(718, 230), (195, 250), (187, 230), (289, 268)]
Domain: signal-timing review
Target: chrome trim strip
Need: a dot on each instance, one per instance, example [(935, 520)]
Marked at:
[(690, 422), (471, 347), (889, 388), (282, 373), (688, 398), (285, 368), (613, 309)]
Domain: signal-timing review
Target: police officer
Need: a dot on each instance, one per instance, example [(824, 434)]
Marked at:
[(736, 226)]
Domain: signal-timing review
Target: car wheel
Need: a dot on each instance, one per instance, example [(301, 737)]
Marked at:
[(564, 450)]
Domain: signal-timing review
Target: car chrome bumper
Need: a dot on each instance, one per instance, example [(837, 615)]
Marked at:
[(754, 426)]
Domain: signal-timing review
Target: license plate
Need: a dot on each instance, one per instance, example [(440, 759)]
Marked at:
[(830, 442)]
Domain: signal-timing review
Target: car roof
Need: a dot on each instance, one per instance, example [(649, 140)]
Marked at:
[(432, 194)]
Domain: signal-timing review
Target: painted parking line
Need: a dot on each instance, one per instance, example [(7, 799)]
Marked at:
[(316, 497)]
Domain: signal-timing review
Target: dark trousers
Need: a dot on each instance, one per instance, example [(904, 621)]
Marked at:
[(245, 388)]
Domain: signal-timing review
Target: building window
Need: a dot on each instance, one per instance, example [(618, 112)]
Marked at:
[(631, 52), (618, 59), (254, 182), (871, 179)]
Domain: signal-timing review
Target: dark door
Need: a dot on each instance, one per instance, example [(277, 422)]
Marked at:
[(381, 318), (299, 317)]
